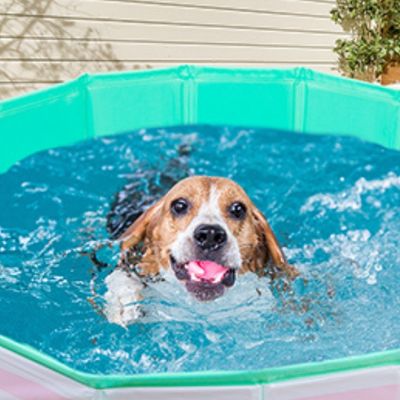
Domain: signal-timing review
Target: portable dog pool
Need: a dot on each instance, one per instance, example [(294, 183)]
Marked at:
[(299, 100)]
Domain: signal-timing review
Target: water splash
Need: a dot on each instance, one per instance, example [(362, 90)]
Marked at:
[(337, 217), (352, 198)]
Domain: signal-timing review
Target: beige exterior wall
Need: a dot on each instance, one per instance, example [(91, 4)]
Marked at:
[(47, 41)]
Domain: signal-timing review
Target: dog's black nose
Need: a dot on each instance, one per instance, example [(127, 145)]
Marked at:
[(210, 237)]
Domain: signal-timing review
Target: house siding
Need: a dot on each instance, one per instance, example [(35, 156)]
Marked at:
[(48, 41)]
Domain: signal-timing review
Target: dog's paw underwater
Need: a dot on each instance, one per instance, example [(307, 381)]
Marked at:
[(199, 273)]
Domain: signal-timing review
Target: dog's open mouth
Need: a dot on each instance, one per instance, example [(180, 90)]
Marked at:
[(205, 279)]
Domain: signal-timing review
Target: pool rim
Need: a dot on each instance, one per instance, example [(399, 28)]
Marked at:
[(206, 378)]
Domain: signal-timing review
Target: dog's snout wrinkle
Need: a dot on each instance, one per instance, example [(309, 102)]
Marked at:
[(210, 237)]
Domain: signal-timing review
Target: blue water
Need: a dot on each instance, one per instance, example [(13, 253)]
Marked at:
[(333, 202)]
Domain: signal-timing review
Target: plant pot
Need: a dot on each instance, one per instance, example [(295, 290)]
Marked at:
[(391, 74)]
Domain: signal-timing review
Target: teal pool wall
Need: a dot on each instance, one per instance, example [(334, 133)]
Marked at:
[(298, 99)]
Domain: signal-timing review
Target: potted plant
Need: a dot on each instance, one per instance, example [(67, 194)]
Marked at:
[(372, 52)]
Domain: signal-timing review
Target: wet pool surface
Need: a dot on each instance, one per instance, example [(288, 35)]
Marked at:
[(333, 202)]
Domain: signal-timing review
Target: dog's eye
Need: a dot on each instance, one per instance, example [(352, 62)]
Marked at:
[(237, 210), (179, 206)]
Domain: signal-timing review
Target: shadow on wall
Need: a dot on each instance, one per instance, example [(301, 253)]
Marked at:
[(36, 48)]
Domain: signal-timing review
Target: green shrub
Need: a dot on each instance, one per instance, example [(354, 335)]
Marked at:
[(374, 26)]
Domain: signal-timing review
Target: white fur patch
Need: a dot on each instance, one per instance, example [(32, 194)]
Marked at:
[(209, 213), (123, 293)]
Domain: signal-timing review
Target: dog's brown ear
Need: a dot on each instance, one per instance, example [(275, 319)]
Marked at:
[(137, 231), (274, 254)]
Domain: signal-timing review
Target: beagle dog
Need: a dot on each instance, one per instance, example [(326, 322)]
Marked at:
[(206, 232)]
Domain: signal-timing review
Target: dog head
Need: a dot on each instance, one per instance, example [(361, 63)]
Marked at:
[(207, 230)]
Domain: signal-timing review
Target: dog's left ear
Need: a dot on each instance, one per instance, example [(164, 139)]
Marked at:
[(273, 252), (137, 231)]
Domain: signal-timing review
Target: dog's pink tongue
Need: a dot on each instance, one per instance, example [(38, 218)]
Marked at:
[(206, 270)]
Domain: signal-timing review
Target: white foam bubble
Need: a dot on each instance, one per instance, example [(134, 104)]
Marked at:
[(351, 199)]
